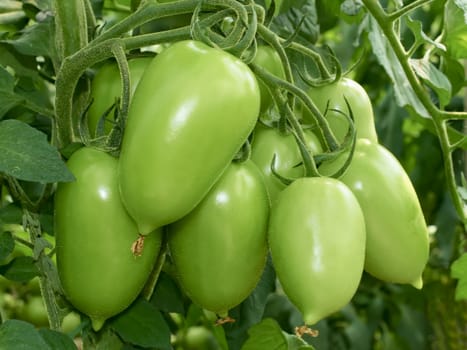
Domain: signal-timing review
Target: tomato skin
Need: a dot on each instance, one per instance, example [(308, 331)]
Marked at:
[(268, 142), (268, 58), (317, 244), (219, 249), (397, 236), (106, 87), (360, 104), (97, 268), (190, 114)]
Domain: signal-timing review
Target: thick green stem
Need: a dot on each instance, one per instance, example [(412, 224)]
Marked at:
[(74, 66), (438, 116), (71, 26)]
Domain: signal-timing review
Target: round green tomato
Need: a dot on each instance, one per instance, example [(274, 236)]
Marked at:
[(199, 338), (34, 312), (268, 142), (397, 236), (317, 243), (219, 249), (268, 58), (106, 87), (360, 104), (102, 261), (70, 322), (191, 112)]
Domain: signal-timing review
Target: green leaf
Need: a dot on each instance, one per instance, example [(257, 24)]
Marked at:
[(26, 155), (142, 324), (459, 271), (250, 311), (11, 214), (36, 40), (455, 28), (266, 335), (454, 70), (15, 334), (286, 23), (57, 340), (296, 343), (8, 98), (167, 296), (434, 78), (405, 96), (416, 27), (20, 269), (351, 7), (7, 244), (21, 64)]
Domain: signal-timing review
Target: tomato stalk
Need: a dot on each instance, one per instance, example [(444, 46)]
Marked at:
[(48, 276), (153, 10), (151, 282), (71, 26), (439, 117), (285, 109), (48, 279), (115, 136)]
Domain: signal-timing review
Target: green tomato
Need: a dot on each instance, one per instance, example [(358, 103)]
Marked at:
[(191, 112), (268, 142), (102, 261), (199, 338), (219, 249), (34, 311), (106, 87), (360, 104), (70, 322), (397, 236), (268, 58), (317, 243)]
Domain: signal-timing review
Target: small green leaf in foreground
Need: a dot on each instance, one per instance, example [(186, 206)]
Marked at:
[(13, 331), (20, 269), (136, 325), (268, 335), (459, 271), (26, 155)]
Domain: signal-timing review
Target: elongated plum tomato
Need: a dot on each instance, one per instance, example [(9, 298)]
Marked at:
[(269, 142), (317, 243), (397, 236), (191, 112), (101, 263), (219, 249), (360, 104), (106, 87)]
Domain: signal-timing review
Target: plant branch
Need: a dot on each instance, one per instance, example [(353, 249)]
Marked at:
[(393, 16), (438, 116)]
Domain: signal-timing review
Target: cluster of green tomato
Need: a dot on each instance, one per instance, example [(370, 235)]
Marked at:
[(176, 177)]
